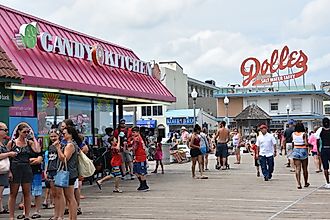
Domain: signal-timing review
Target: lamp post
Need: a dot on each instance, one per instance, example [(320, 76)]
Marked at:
[(194, 96), (226, 102), (288, 112)]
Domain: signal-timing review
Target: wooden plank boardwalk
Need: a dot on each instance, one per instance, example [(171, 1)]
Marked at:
[(231, 194)]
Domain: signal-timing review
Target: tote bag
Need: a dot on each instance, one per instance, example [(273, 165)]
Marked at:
[(62, 176), (4, 165), (86, 167)]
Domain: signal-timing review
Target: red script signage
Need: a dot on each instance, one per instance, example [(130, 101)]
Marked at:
[(278, 61)]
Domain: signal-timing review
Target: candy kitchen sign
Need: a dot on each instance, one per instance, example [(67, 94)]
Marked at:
[(29, 36), (257, 72)]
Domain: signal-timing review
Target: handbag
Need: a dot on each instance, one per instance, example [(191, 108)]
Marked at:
[(62, 176), (4, 165), (86, 166)]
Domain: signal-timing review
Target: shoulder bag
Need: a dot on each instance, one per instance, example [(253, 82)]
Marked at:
[(62, 176), (86, 167)]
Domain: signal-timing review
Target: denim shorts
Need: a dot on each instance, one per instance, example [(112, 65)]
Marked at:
[(299, 153), (36, 187), (140, 168)]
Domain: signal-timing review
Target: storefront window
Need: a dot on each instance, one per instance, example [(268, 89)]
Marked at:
[(103, 116), (51, 111), (80, 112), (23, 104)]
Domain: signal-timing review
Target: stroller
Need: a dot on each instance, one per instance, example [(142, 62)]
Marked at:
[(101, 159)]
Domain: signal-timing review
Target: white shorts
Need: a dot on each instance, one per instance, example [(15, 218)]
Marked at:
[(76, 184)]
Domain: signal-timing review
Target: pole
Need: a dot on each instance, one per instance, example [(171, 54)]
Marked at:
[(194, 106), (227, 122), (287, 115)]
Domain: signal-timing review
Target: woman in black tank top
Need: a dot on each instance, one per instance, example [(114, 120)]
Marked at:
[(21, 169)]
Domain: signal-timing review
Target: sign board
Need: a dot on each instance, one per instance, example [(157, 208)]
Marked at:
[(6, 97), (180, 121), (23, 104), (29, 36), (252, 68)]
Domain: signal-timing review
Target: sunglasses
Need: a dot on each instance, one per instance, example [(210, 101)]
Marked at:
[(4, 129), (25, 132)]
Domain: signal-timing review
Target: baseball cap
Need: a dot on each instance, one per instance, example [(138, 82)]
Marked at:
[(263, 126), (122, 121), (183, 128)]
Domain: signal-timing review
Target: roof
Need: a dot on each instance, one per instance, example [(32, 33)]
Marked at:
[(203, 84), (253, 112), (7, 68), (181, 113), (55, 71)]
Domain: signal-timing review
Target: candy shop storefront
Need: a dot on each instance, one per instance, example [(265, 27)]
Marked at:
[(67, 74)]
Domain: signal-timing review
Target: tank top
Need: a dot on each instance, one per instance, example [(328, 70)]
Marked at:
[(23, 154), (72, 163), (197, 140), (298, 139), (236, 139), (325, 137)]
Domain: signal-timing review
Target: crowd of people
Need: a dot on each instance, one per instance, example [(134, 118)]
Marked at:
[(23, 162)]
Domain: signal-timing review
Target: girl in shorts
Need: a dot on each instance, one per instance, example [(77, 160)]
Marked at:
[(195, 152), (116, 162), (50, 172)]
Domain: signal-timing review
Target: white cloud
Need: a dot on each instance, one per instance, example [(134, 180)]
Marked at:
[(314, 19)]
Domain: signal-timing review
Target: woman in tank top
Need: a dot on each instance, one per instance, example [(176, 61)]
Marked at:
[(69, 152), (300, 153), (236, 142), (195, 152), (25, 146)]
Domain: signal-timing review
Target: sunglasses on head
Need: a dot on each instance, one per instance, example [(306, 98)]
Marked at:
[(4, 129)]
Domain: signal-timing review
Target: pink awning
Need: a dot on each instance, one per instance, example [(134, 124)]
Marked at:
[(40, 68)]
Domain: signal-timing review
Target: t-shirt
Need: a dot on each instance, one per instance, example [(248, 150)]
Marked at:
[(266, 144), (140, 153), (255, 150), (313, 141), (324, 135), (116, 159), (53, 161), (288, 134)]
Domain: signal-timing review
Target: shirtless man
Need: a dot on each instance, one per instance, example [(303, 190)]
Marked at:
[(222, 137)]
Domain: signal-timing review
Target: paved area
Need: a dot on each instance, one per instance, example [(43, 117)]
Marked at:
[(232, 194)]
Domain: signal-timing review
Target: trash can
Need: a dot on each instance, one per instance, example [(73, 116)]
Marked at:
[(166, 153)]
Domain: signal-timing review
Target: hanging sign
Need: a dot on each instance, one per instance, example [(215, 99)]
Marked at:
[(257, 72)]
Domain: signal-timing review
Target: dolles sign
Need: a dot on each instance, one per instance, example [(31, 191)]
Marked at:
[(252, 68)]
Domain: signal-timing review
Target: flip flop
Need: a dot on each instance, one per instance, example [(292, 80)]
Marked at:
[(204, 177), (117, 191), (21, 216), (35, 216), (99, 185), (4, 211)]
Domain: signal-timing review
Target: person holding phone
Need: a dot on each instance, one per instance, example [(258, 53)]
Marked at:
[(20, 167)]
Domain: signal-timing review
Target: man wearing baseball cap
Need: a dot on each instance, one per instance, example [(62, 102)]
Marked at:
[(266, 144)]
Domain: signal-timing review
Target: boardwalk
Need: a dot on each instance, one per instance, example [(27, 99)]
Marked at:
[(231, 194)]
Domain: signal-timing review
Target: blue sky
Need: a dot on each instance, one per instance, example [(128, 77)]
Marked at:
[(208, 38)]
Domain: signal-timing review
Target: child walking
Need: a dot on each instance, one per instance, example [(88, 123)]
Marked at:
[(254, 149), (116, 162), (159, 155)]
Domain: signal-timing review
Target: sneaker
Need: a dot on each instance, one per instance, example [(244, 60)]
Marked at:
[(132, 177), (258, 174), (217, 167), (266, 178), (79, 212), (327, 186), (144, 189)]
